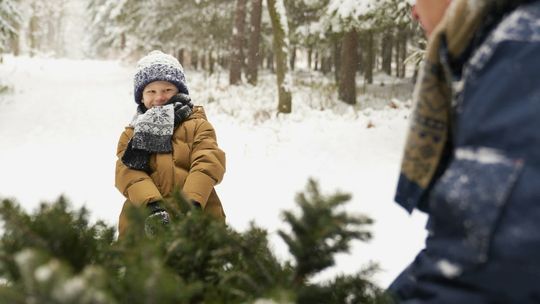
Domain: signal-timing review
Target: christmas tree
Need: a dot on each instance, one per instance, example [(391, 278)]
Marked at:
[(55, 255)]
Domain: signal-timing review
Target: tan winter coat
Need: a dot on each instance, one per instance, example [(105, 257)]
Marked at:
[(196, 165)]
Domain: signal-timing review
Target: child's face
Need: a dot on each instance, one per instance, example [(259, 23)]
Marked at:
[(157, 93)]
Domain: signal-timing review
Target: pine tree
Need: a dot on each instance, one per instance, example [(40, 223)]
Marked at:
[(55, 255)]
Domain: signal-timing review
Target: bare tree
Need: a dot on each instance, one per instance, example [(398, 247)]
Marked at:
[(237, 54), (369, 63), (254, 41), (386, 50), (349, 64), (276, 9)]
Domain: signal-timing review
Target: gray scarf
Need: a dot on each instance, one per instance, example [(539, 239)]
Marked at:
[(154, 129)]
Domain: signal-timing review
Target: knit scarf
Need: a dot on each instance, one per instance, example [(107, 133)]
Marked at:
[(428, 135), (153, 130)]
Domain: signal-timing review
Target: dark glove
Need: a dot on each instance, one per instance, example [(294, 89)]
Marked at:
[(157, 220), (184, 99), (182, 107), (196, 204), (136, 158)]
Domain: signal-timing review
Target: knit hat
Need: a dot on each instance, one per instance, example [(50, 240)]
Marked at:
[(158, 66)]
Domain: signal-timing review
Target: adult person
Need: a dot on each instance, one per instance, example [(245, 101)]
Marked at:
[(472, 156), (169, 144)]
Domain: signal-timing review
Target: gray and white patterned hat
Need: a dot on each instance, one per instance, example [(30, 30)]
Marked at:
[(158, 66)]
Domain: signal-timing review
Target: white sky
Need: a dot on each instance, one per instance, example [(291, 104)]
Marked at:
[(60, 125)]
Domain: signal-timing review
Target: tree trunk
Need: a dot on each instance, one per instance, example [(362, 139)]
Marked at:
[(194, 59), (270, 62), (386, 50), (276, 9), (336, 52), (15, 40), (49, 35), (57, 26), (222, 61), (262, 56), (181, 56), (33, 35), (211, 62), (203, 62), (15, 45), (403, 52), (327, 63), (237, 56), (292, 59), (122, 41), (397, 53), (254, 41), (370, 58), (349, 61), (310, 53)]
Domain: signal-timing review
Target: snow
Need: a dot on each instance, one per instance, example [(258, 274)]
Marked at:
[(46, 271), (282, 17), (72, 288), (264, 301), (24, 257), (482, 155), (449, 269), (60, 125), (350, 8)]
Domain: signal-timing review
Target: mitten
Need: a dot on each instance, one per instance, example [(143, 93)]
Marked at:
[(196, 204), (182, 107), (136, 158), (184, 99), (156, 220)]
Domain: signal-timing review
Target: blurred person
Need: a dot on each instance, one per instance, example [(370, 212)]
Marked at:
[(472, 156), (169, 144)]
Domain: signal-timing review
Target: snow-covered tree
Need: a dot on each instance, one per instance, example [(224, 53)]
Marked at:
[(10, 19), (111, 22), (345, 34), (43, 27), (347, 18), (393, 20), (136, 27), (305, 28)]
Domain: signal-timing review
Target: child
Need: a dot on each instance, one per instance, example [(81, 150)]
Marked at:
[(168, 144)]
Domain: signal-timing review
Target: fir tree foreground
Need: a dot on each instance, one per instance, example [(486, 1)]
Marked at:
[(55, 255)]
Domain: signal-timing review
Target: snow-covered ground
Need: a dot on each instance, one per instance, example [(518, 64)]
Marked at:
[(60, 124)]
